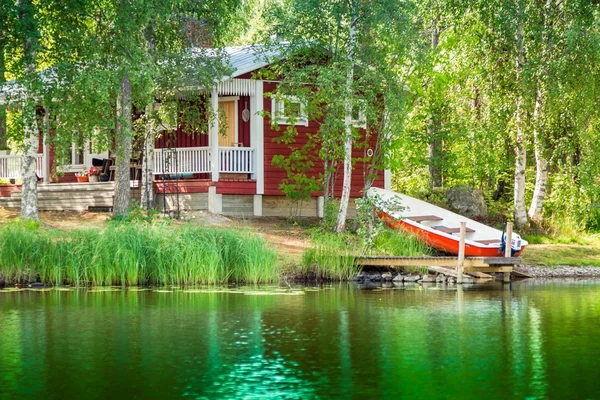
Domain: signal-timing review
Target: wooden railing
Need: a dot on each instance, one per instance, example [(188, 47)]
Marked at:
[(183, 160), (190, 160), (236, 160), (10, 166)]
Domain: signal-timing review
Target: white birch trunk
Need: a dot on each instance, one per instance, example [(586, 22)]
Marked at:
[(347, 182), (123, 148), (520, 149), (29, 197), (147, 195), (541, 164)]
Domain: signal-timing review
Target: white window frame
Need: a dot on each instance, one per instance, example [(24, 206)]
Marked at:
[(87, 157), (361, 122), (278, 110), (74, 150)]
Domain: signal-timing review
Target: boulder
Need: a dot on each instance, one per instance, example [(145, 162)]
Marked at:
[(399, 278), (386, 276), (467, 201), (412, 278), (428, 278), (375, 277)]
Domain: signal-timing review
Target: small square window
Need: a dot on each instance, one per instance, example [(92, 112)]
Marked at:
[(287, 110), (359, 119)]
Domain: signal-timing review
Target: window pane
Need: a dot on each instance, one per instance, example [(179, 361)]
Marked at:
[(292, 110)]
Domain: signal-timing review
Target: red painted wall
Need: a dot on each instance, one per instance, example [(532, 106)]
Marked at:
[(274, 176)]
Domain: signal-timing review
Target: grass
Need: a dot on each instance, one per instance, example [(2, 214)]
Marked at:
[(332, 255), (393, 242), (552, 255), (134, 254)]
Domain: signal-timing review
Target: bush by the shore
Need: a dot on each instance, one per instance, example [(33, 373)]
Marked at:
[(133, 254)]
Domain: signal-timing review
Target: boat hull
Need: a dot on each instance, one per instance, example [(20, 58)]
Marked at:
[(441, 242)]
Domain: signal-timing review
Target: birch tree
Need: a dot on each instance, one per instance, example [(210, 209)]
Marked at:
[(342, 58)]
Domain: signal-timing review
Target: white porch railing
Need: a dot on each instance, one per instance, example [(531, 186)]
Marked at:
[(236, 160), (190, 160), (184, 160), (10, 166)]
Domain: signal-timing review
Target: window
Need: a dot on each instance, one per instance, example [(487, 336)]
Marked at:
[(359, 119), (288, 110), (77, 157)]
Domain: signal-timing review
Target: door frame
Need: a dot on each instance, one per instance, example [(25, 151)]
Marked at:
[(236, 100)]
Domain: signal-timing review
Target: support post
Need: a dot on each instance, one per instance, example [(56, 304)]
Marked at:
[(259, 145), (508, 248), (258, 207), (214, 135), (461, 252)]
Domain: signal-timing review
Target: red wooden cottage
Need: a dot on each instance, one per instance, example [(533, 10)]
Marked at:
[(229, 173)]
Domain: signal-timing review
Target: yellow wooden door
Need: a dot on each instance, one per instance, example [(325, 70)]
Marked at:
[(227, 133)]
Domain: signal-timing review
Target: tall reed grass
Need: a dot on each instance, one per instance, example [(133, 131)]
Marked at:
[(332, 256), (392, 242), (134, 254)]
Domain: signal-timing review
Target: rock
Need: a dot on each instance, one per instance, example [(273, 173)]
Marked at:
[(386, 276), (412, 278), (428, 278), (450, 281), (440, 278), (467, 201), (361, 276), (375, 277), (399, 278)]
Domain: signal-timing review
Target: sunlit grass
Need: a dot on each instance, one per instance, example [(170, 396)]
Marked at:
[(134, 254)]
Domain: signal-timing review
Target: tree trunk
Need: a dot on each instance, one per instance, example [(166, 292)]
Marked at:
[(123, 148), (520, 149), (2, 106), (147, 195), (29, 204), (433, 131), (347, 183), (541, 164)]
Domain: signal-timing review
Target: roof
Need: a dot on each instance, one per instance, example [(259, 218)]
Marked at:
[(242, 59)]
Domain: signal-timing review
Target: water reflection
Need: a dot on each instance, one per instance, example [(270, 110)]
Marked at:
[(430, 342)]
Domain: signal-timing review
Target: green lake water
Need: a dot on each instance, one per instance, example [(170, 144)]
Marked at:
[(529, 340)]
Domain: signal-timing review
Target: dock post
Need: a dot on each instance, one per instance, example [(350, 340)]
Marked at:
[(461, 252), (508, 248)]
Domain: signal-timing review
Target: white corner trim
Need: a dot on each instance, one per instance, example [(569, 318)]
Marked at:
[(259, 138), (387, 179), (214, 135)]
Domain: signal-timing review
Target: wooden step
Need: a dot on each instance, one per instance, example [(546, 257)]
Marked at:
[(445, 229), (421, 218)]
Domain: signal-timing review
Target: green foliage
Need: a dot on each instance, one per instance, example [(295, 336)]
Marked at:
[(368, 222), (134, 254)]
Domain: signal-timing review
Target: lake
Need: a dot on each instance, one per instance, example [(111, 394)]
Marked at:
[(531, 339)]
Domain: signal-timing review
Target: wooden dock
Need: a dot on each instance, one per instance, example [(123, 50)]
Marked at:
[(471, 264), (462, 264)]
